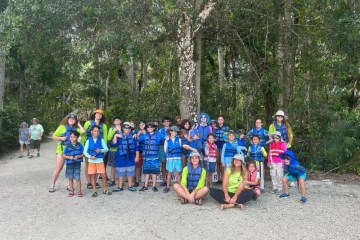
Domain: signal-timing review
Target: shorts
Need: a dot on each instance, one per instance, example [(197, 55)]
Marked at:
[(162, 154), (111, 159), (151, 166), (125, 171), (209, 166), (73, 171), (227, 161), (94, 168), (24, 142), (173, 164), (34, 143), (293, 178), (141, 160)]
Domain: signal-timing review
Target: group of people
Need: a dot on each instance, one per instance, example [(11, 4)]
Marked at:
[(30, 138), (193, 152)]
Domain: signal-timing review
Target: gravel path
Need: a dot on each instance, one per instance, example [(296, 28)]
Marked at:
[(28, 211)]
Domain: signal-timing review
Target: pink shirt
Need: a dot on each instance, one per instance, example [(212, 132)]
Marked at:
[(275, 148)]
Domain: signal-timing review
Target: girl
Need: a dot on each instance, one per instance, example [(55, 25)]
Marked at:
[(252, 178), (211, 154), (141, 140), (283, 126), (73, 153), (67, 125), (173, 150), (275, 163), (192, 188), (115, 129), (127, 155), (95, 149), (24, 139), (185, 128), (97, 118), (260, 131), (203, 127), (233, 193), (220, 141), (230, 148)]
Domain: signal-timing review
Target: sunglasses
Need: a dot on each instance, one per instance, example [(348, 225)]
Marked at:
[(276, 138)]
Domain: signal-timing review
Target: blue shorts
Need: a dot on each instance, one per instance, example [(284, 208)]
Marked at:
[(209, 166), (125, 171), (111, 159), (292, 178), (151, 166), (173, 164), (162, 154), (73, 171), (227, 161)]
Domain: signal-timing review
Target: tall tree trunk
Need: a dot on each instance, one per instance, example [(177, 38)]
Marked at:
[(2, 80), (198, 40), (132, 78), (221, 67), (107, 78), (144, 73)]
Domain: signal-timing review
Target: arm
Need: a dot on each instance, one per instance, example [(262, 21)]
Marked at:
[(104, 146), (223, 154), (86, 148), (105, 132), (225, 185), (59, 131), (237, 193), (165, 145), (82, 130)]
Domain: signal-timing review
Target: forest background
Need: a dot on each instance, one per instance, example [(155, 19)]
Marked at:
[(145, 59)]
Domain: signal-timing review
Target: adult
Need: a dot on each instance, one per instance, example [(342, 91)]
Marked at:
[(97, 118), (281, 125), (192, 188), (233, 193), (24, 139), (67, 125), (260, 131), (221, 128), (36, 133)]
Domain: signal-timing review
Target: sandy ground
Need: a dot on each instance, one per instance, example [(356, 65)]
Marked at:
[(29, 211)]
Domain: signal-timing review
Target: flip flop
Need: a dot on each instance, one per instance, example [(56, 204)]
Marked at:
[(79, 194)]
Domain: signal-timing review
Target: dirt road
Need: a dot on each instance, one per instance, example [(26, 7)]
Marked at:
[(29, 211)]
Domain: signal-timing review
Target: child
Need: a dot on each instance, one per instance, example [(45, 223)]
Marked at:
[(162, 156), (294, 172), (203, 127), (260, 131), (140, 135), (173, 150), (24, 139), (211, 154), (95, 149), (252, 178), (115, 129), (220, 141), (275, 163), (151, 157), (257, 153), (282, 125), (229, 149), (127, 155), (195, 145), (185, 128), (192, 188), (73, 155)]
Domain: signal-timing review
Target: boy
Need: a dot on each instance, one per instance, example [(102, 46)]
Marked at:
[(257, 153), (294, 172), (73, 154), (173, 150), (260, 131), (162, 156), (230, 148)]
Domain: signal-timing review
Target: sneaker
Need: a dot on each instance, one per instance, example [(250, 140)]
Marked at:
[(51, 189), (95, 194), (303, 199), (292, 184), (143, 188), (21, 156), (38, 155), (284, 195), (132, 189), (118, 189), (166, 190), (273, 191), (155, 189), (31, 156), (163, 184), (136, 184)]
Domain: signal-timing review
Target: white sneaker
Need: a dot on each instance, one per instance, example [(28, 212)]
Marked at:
[(292, 184)]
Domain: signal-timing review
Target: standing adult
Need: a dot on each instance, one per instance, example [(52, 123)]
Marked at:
[(67, 125), (36, 133), (24, 138), (281, 125), (233, 193), (97, 118)]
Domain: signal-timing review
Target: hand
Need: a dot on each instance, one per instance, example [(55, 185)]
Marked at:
[(118, 135), (185, 146), (97, 150), (136, 159), (79, 124), (167, 138), (233, 200), (92, 157), (63, 138), (192, 197), (227, 198), (134, 136), (270, 166)]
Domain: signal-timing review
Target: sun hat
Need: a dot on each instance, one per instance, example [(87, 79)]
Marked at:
[(24, 123), (203, 115), (277, 133), (194, 154), (99, 111), (174, 128), (288, 153), (280, 113), (126, 125), (239, 157)]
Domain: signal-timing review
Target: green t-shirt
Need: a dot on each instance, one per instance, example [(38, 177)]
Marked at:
[(58, 133), (201, 182), (234, 181), (36, 131), (110, 136), (87, 125)]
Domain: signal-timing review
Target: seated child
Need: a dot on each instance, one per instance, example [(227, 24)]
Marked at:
[(294, 172), (252, 178)]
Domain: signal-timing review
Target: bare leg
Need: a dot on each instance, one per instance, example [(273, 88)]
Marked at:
[(71, 184), (58, 167), (147, 176), (302, 186), (88, 179), (112, 174), (180, 191), (78, 182), (121, 182), (285, 185), (201, 194), (153, 177), (130, 180), (168, 179), (163, 170), (103, 181), (178, 177), (92, 180)]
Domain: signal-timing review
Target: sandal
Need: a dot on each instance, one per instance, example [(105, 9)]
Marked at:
[(106, 192), (71, 193), (89, 186), (79, 194), (184, 201), (51, 189), (198, 202), (95, 194)]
